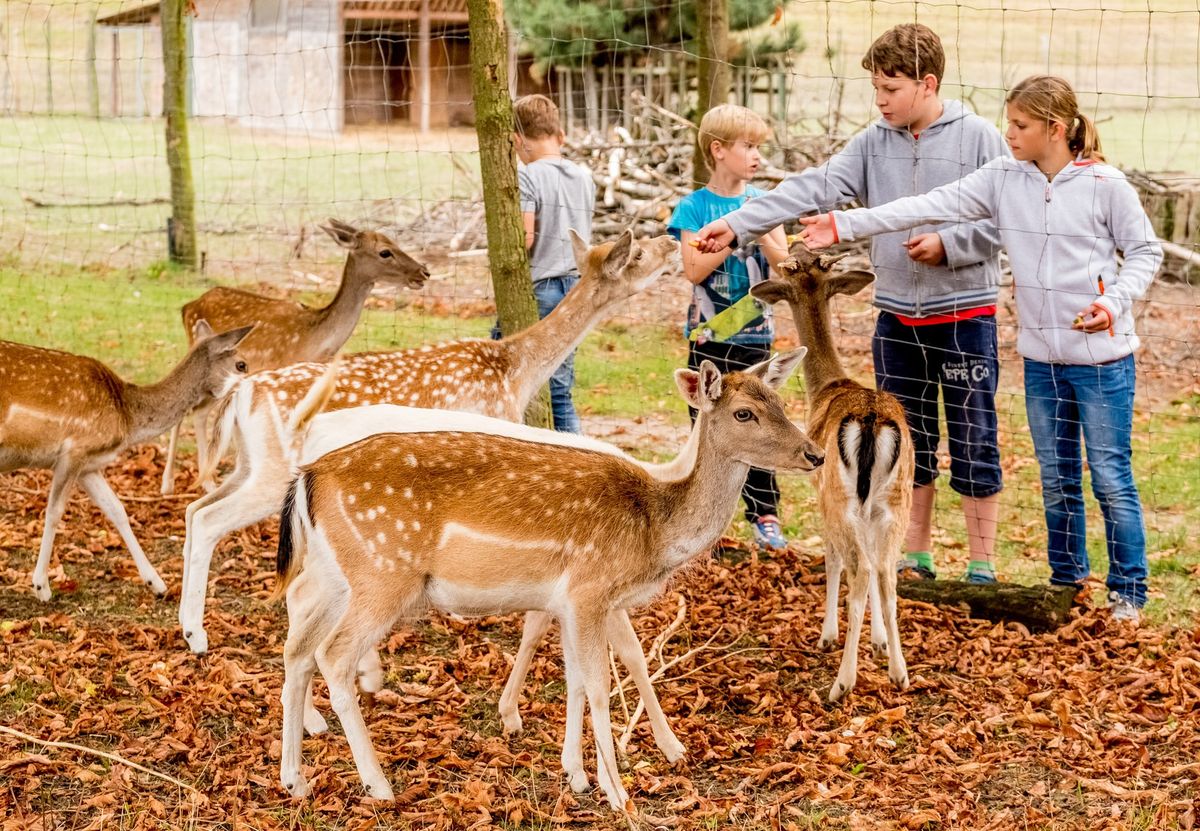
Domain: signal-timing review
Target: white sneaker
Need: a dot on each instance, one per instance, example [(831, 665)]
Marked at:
[(1123, 609)]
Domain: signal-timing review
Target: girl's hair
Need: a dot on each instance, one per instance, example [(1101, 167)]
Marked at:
[(1050, 98), (727, 123)]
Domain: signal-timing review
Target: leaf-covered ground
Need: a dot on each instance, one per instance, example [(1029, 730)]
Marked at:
[(1094, 726)]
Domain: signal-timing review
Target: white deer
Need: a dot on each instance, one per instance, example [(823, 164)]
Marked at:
[(467, 523), (496, 378), (74, 416), (287, 332), (865, 489)]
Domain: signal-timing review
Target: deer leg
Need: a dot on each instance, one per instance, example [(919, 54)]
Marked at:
[(572, 752), (56, 503), (110, 505), (338, 658), (168, 479), (897, 668), (879, 635), (536, 626), (201, 420), (254, 499), (587, 634), (860, 574), (312, 614), (833, 582), (625, 643)]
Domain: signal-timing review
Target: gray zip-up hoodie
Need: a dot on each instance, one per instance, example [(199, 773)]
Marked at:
[(1062, 238), (883, 163)]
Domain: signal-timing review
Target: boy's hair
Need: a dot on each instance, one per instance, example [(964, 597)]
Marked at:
[(1050, 99), (910, 49), (727, 123), (536, 117)]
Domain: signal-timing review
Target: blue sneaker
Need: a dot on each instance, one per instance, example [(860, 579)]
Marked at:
[(980, 578), (767, 533), (910, 569)]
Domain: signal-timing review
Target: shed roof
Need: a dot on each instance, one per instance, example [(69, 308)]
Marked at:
[(137, 16)]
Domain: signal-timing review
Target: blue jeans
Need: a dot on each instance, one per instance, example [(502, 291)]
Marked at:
[(549, 292), (1066, 403)]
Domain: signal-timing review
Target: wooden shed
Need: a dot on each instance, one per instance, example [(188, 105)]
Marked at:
[(310, 65)]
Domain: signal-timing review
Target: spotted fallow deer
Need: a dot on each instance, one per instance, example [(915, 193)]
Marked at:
[(495, 378), (287, 332), (476, 524), (73, 415), (865, 491)]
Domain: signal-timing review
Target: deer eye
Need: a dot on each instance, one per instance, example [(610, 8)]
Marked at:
[(385, 254), (744, 415), (240, 366)]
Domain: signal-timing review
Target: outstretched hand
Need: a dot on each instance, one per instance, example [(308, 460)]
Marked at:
[(819, 231), (715, 236)]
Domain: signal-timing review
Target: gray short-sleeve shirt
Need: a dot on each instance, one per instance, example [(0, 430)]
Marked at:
[(561, 195)]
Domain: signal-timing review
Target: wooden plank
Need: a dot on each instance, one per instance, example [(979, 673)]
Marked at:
[(423, 69)]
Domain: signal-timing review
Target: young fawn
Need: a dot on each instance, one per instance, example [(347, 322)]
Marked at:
[(74, 415), (865, 490), (287, 332), (467, 523), (496, 378)]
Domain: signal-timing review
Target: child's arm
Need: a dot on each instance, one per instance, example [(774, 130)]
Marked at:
[(833, 184), (697, 265), (971, 197), (1133, 234), (530, 220), (968, 243)]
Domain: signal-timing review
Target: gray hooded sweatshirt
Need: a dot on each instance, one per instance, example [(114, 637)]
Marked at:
[(883, 163)]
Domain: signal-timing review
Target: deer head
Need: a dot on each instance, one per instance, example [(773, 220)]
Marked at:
[(807, 274), (622, 268), (747, 414), (375, 258), (223, 367)]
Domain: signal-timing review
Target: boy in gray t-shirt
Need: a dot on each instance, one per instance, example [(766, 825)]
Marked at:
[(556, 195)]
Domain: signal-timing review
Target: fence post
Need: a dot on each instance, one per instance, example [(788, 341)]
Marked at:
[(712, 69), (182, 233)]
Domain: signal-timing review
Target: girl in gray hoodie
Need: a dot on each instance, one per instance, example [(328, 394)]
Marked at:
[(1063, 215)]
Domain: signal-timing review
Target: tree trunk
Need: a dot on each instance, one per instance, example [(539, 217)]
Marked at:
[(712, 69), (182, 228), (93, 80), (1040, 608), (509, 262)]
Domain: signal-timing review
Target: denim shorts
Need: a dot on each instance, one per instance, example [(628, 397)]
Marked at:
[(959, 359)]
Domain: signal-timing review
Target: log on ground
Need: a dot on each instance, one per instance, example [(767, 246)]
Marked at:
[(1039, 608)]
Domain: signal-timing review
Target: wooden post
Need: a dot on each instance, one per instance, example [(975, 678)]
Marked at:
[(49, 65), (116, 72), (182, 227), (515, 306), (93, 81), (591, 101), (139, 89), (712, 70), (423, 68), (568, 94), (626, 90)]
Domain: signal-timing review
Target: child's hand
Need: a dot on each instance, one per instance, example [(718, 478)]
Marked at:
[(713, 237), (1095, 318), (926, 248), (819, 231)]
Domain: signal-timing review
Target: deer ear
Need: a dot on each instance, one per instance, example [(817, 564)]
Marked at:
[(580, 247), (775, 371), (772, 291), (201, 330), (619, 255), (688, 381), (848, 282), (710, 384), (343, 234), (228, 341)]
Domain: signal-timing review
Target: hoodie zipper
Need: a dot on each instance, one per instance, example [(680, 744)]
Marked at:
[(913, 266)]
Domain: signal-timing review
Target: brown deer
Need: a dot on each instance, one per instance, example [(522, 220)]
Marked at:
[(287, 332), (396, 524), (865, 490), (73, 415), (496, 378)]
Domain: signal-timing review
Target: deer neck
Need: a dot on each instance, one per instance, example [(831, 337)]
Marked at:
[(335, 323), (698, 506), (156, 408), (822, 366), (537, 351)]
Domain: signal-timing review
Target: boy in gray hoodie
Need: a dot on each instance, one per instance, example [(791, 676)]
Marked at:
[(935, 285)]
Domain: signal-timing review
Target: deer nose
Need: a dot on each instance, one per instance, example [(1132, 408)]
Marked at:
[(815, 459)]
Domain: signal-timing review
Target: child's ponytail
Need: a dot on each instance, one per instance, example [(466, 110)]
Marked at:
[(1050, 98)]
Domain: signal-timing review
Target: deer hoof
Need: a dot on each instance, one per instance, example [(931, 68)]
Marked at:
[(197, 641), (879, 650), (380, 790), (157, 586), (827, 643), (838, 692), (42, 591), (578, 781), (298, 788), (672, 749), (900, 680), (512, 724)]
